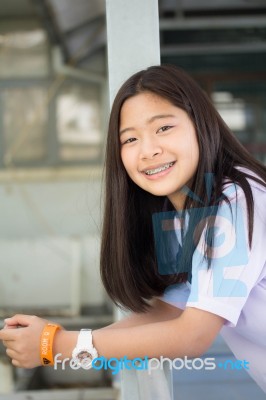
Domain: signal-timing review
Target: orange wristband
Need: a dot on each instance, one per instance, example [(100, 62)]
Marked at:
[(46, 344)]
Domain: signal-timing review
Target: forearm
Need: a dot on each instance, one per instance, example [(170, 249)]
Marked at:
[(151, 340), (158, 312), (189, 335)]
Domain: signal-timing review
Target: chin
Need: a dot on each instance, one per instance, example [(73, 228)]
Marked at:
[(158, 192)]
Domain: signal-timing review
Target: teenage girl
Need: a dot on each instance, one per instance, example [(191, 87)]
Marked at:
[(171, 158)]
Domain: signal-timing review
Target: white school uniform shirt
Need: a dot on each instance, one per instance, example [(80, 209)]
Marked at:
[(241, 301)]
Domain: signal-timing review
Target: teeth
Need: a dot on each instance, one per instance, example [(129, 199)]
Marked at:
[(160, 169)]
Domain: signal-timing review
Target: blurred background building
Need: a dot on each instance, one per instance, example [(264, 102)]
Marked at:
[(53, 118)]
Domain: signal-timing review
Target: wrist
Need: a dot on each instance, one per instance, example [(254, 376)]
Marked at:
[(84, 352), (64, 343), (46, 343)]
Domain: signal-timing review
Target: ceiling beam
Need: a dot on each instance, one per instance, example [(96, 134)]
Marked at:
[(215, 48), (216, 5), (257, 21)]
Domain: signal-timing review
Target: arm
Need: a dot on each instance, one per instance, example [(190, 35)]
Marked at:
[(159, 311), (189, 334)]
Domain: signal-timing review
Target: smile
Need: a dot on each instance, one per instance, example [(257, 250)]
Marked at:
[(159, 169)]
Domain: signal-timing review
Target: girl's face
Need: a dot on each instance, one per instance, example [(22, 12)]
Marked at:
[(159, 147)]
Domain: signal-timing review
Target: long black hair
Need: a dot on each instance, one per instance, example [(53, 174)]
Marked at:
[(128, 263)]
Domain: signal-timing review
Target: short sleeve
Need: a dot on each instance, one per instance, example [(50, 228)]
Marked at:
[(223, 285), (235, 269), (177, 295)]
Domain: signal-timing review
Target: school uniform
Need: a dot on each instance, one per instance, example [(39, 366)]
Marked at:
[(234, 287)]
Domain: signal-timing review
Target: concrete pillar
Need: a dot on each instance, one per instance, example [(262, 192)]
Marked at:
[(132, 39), (133, 44)]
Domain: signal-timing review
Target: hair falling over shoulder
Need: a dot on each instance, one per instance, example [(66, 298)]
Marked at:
[(128, 264)]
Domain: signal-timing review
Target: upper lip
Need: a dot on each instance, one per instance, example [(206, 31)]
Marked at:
[(155, 166)]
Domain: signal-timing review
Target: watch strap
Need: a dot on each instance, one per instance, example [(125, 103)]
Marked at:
[(85, 339)]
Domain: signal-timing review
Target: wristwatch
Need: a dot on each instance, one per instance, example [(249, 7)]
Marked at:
[(84, 352)]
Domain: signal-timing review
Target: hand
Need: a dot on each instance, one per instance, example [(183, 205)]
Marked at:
[(21, 337)]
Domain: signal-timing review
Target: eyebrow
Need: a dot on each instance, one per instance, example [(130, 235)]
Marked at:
[(149, 121)]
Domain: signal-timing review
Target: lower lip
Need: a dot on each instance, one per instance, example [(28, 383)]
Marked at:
[(159, 174)]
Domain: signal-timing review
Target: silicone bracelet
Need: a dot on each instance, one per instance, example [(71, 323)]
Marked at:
[(46, 344)]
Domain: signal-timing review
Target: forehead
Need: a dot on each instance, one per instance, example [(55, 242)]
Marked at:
[(145, 105), (146, 98)]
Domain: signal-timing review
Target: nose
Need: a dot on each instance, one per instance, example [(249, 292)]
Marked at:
[(150, 148)]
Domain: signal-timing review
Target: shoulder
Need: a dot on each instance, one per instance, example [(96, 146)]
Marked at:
[(241, 202), (234, 191)]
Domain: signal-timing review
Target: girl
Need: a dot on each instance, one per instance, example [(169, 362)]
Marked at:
[(183, 234)]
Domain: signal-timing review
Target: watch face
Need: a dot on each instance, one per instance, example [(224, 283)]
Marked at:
[(84, 359)]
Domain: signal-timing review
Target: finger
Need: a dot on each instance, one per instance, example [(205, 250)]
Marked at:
[(7, 334), (16, 363), (9, 344), (10, 334), (11, 326), (6, 343), (14, 357), (19, 360), (19, 319), (12, 354)]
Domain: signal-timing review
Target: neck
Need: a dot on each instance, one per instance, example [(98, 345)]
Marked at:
[(178, 200)]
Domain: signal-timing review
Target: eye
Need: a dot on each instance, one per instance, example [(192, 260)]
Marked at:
[(164, 128), (130, 140)]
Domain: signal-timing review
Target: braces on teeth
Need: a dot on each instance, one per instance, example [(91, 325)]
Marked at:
[(160, 169)]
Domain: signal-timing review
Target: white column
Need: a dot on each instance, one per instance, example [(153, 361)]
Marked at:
[(132, 39), (133, 44)]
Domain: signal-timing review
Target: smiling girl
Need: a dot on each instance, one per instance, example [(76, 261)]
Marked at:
[(165, 139)]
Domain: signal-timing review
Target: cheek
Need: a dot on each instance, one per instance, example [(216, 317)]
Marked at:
[(192, 149), (126, 161)]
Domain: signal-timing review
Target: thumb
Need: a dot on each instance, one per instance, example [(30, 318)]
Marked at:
[(19, 320)]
